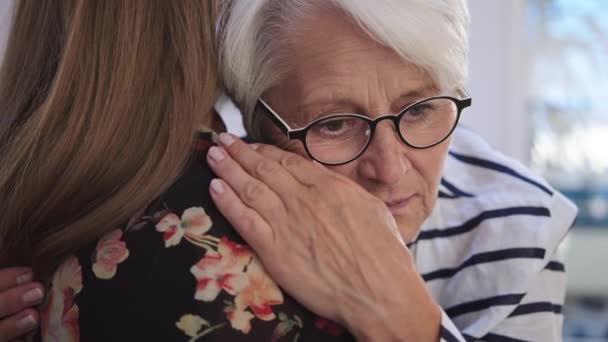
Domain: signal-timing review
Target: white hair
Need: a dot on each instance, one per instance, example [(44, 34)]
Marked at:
[(432, 34)]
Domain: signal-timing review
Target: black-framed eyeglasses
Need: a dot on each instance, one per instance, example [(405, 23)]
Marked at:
[(341, 138)]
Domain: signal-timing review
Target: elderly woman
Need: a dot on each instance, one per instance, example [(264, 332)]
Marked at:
[(373, 91)]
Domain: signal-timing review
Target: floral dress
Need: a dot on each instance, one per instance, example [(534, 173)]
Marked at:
[(176, 272)]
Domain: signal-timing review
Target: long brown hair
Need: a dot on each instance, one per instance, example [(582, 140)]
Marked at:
[(99, 105)]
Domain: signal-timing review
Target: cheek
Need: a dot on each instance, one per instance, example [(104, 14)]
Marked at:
[(429, 165), (349, 170), (431, 169)]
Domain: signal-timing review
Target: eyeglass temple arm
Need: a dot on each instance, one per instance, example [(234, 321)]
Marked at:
[(466, 98), (272, 115)]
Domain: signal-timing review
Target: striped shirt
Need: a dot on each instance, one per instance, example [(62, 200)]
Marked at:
[(489, 250)]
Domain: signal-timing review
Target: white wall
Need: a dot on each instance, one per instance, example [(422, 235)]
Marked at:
[(497, 76)]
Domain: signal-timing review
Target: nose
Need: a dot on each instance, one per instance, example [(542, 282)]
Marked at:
[(385, 160)]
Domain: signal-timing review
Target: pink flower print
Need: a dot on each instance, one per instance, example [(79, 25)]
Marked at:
[(59, 314), (260, 294), (239, 319), (110, 252), (194, 222), (221, 269)]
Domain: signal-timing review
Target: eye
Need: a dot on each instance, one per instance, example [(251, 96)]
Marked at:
[(421, 110), (334, 127)]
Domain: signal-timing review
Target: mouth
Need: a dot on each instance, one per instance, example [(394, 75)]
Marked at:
[(398, 205)]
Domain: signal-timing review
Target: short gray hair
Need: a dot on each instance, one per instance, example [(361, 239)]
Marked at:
[(432, 34)]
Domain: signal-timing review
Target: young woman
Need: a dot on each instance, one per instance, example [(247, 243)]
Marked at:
[(105, 182)]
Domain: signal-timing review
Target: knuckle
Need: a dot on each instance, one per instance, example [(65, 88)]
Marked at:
[(252, 191), (266, 167), (236, 150), (264, 149), (290, 160), (247, 220), (331, 184)]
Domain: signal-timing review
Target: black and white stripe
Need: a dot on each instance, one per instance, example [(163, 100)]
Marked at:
[(476, 220), (488, 253), (487, 257), (449, 190), (491, 165)]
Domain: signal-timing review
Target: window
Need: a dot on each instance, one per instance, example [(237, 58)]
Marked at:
[(567, 99), (566, 42)]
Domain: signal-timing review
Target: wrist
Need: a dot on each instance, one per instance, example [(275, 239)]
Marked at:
[(415, 317), (413, 326), (371, 330)]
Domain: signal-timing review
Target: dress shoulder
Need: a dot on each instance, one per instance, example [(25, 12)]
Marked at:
[(177, 271)]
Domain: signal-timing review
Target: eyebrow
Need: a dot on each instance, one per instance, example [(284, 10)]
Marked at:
[(307, 113), (343, 101), (419, 93)]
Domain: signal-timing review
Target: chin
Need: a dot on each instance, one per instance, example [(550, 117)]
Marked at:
[(410, 221), (408, 227)]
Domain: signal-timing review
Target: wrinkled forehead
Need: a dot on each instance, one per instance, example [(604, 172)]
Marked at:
[(339, 68)]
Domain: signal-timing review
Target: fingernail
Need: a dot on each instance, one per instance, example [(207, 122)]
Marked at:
[(33, 296), (26, 323), (226, 139), (216, 187), (216, 154), (24, 278), (255, 146)]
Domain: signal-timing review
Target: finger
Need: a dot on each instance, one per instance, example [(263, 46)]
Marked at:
[(252, 192), (265, 169), (248, 223), (304, 170), (19, 298), (18, 325), (251, 166), (13, 276)]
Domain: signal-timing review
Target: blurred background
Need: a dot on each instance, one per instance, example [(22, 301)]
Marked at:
[(539, 82)]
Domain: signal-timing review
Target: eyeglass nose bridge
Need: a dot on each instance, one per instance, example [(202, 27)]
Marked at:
[(373, 123), (391, 117)]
